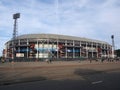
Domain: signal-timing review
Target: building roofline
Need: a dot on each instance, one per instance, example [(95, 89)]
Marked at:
[(58, 36)]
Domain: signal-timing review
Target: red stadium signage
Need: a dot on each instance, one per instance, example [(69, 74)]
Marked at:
[(60, 46), (32, 46), (99, 49)]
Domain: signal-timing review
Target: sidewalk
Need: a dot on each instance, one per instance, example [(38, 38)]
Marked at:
[(8, 65)]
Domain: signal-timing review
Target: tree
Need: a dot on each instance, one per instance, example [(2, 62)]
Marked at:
[(0, 58), (117, 52)]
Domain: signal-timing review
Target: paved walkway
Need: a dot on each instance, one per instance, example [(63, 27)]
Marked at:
[(53, 63)]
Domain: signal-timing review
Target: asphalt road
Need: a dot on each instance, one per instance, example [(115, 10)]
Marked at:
[(90, 79)]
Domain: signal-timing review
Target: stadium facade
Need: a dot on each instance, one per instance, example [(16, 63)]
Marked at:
[(60, 46)]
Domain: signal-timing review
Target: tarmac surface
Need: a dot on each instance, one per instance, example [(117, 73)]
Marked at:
[(60, 75)]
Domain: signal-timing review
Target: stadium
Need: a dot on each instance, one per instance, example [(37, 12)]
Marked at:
[(38, 46)]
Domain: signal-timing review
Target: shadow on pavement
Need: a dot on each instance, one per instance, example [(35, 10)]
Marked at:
[(84, 72), (21, 80)]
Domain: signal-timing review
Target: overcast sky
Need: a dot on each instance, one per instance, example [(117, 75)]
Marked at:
[(95, 19)]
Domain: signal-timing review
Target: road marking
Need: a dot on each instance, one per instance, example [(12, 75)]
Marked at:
[(96, 82)]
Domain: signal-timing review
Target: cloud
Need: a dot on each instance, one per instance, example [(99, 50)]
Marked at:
[(96, 19)]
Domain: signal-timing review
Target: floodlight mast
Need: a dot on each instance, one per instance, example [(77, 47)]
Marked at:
[(113, 46), (15, 17)]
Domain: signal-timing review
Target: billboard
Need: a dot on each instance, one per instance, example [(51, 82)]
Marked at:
[(19, 54)]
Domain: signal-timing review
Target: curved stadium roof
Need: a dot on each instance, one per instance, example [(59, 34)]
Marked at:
[(56, 36)]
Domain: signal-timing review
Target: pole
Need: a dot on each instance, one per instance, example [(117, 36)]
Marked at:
[(113, 46), (15, 17), (14, 36)]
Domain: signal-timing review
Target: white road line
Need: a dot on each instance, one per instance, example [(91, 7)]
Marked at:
[(96, 82)]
